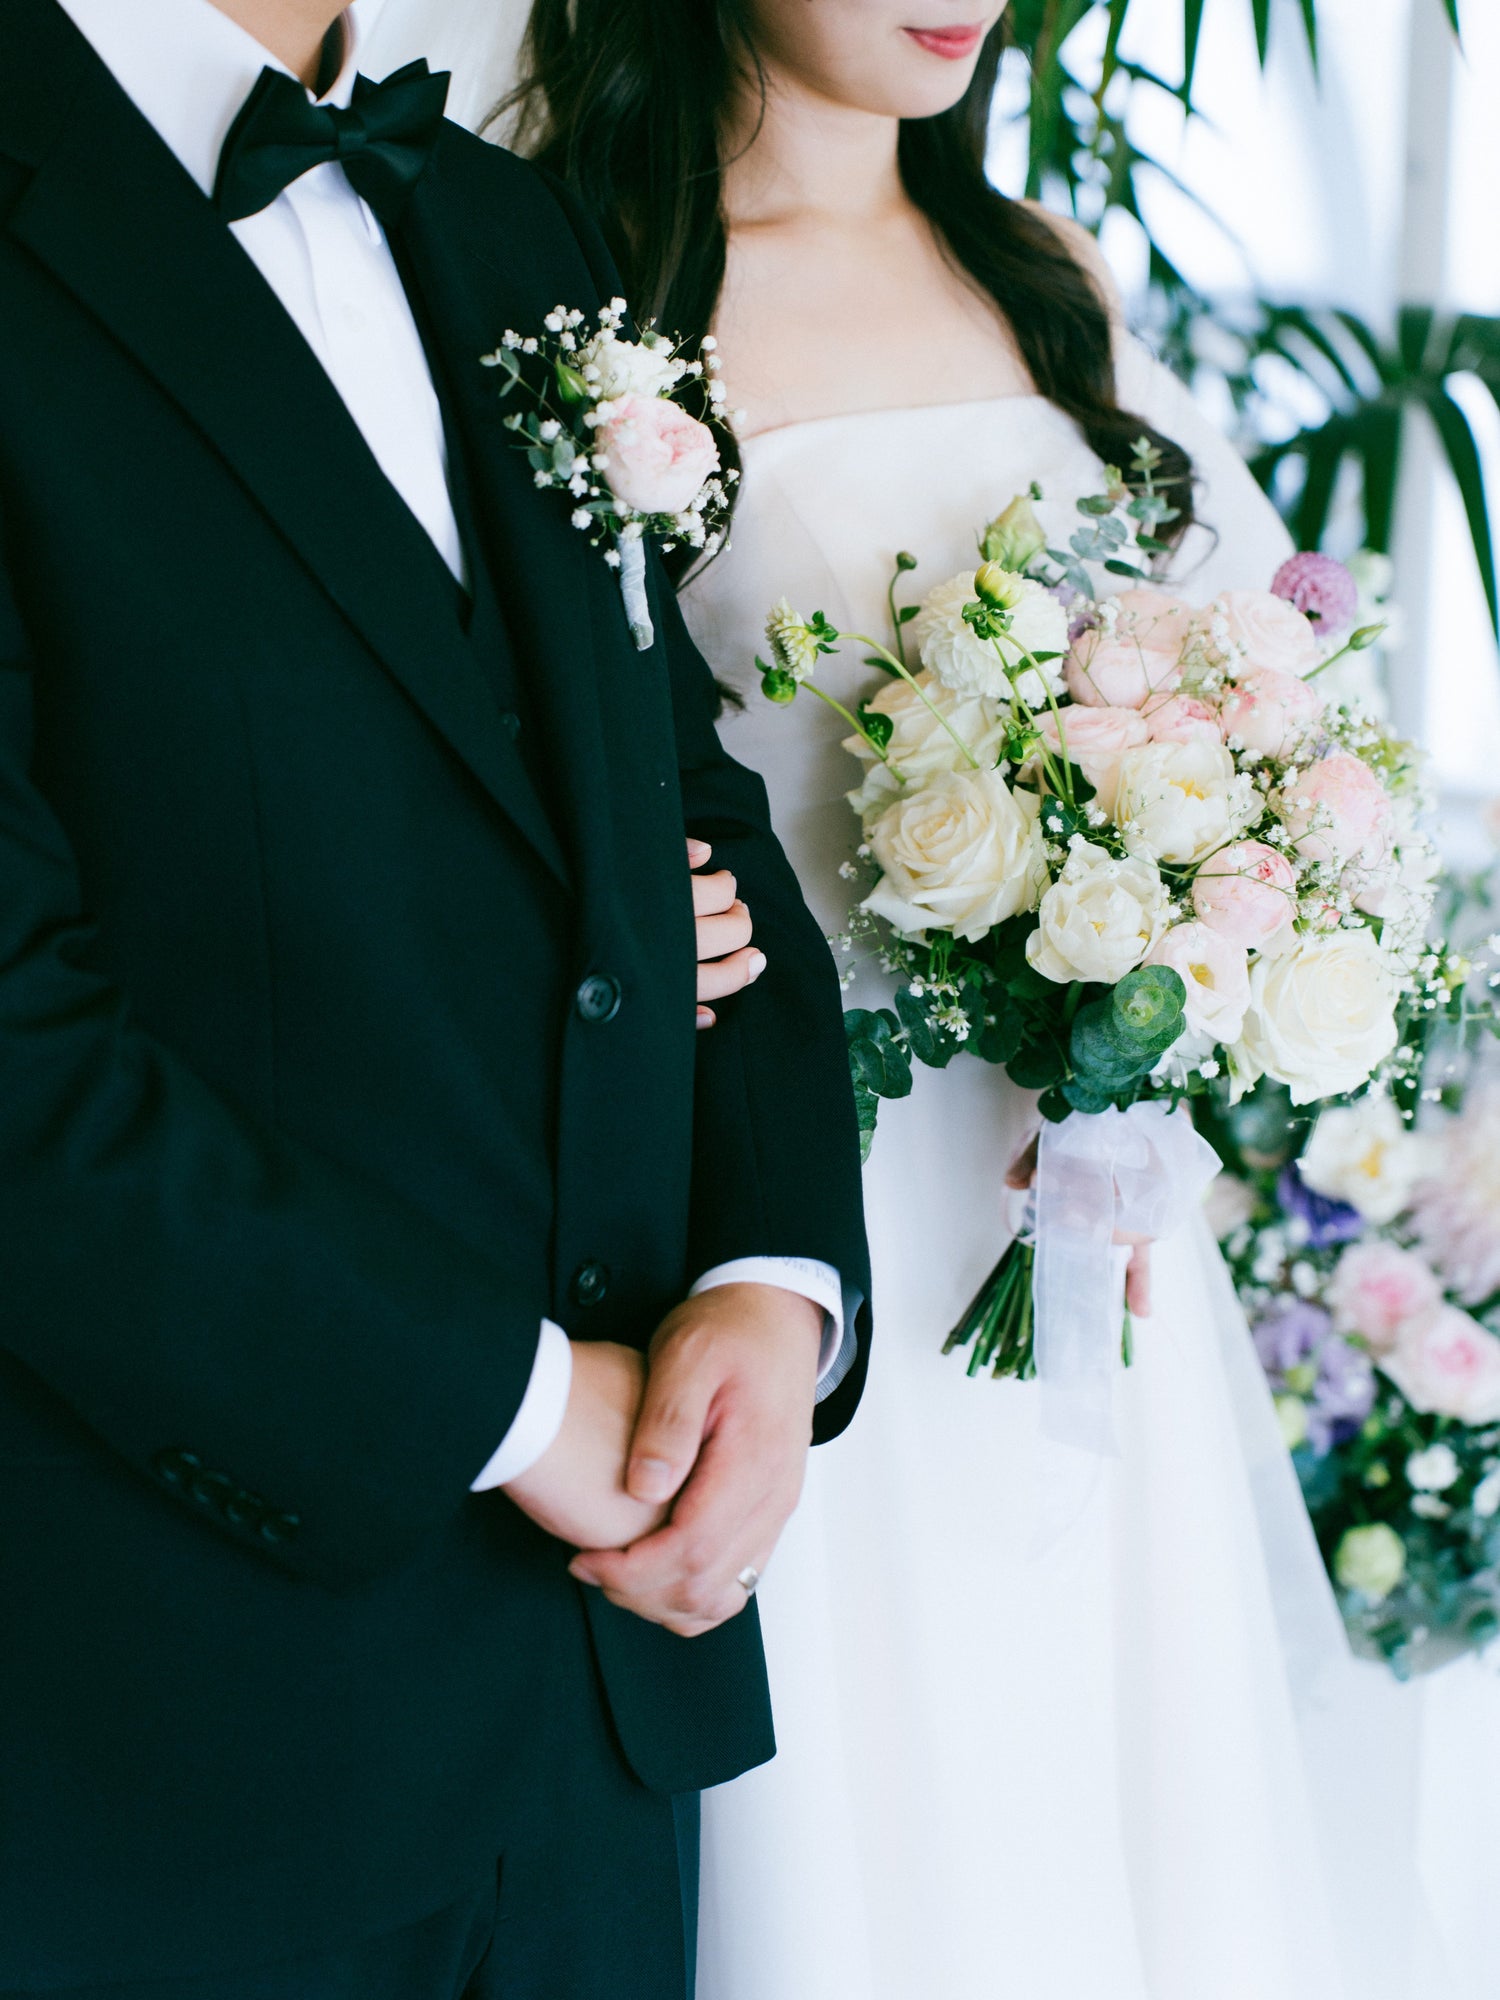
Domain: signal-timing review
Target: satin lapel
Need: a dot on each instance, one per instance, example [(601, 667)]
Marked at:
[(548, 580), (117, 220)]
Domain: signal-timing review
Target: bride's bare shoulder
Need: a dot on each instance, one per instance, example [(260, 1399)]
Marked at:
[(1083, 247)]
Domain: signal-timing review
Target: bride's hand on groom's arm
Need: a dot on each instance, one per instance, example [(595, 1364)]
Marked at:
[(726, 959), (576, 1489), (723, 1434)]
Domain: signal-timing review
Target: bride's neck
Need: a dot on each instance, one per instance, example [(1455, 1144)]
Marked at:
[(804, 155)]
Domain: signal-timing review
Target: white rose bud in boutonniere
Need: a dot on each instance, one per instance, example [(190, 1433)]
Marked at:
[(951, 648), (920, 747), (1322, 1015), (961, 855), (1100, 917), (1177, 802), (645, 367)]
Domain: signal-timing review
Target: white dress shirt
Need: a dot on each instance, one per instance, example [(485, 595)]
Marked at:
[(188, 69)]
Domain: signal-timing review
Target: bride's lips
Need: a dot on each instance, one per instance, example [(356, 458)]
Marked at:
[(954, 43)]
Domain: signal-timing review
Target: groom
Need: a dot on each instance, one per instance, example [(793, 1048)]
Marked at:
[(355, 1140)]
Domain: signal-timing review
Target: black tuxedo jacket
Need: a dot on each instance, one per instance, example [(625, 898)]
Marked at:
[(303, 1128)]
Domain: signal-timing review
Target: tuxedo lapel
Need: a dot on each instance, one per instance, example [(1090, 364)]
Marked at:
[(114, 217), (548, 580)]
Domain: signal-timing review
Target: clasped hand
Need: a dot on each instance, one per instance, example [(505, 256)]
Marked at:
[(674, 1474)]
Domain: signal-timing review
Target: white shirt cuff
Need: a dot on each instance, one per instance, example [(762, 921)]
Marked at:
[(811, 1280), (540, 1416)]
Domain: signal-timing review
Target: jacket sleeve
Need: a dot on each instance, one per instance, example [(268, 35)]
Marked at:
[(285, 1349)]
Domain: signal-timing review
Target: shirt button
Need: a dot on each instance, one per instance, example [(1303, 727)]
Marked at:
[(598, 998), (590, 1283)]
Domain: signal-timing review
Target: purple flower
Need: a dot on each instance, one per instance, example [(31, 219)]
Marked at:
[(1327, 1222), (1321, 588), (1291, 1332), (1343, 1395)]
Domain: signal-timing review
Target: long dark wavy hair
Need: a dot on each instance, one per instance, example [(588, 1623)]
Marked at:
[(625, 99)]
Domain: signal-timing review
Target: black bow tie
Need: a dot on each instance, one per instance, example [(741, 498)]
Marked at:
[(383, 141)]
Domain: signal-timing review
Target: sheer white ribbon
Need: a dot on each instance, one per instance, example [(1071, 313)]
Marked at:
[(1142, 1171)]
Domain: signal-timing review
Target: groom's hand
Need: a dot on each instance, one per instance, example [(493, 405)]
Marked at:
[(724, 1431), (726, 961), (576, 1489)]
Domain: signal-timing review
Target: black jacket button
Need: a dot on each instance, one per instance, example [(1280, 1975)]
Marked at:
[(243, 1510), (590, 1283), (176, 1468), (279, 1527), (598, 998), (510, 722), (211, 1489)]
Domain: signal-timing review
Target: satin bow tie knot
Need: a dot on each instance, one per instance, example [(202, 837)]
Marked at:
[(383, 141)]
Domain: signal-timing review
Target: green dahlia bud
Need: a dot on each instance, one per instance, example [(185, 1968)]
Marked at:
[(1014, 538)]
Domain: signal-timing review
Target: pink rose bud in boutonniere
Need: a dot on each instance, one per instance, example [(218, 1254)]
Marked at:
[(657, 456)]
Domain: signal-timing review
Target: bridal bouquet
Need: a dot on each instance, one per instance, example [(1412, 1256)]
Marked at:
[(1120, 846), (608, 427), (1365, 1246)]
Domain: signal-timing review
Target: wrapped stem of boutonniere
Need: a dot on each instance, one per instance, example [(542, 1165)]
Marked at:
[(1118, 845), (609, 427)]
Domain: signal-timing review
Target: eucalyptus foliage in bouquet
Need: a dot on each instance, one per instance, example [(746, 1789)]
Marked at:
[(1120, 845), (1365, 1246)]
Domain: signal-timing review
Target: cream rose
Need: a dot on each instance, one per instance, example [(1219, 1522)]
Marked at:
[(1133, 653), (657, 455), (951, 649), (1100, 917), (920, 747), (1448, 1365), (1215, 974), (1264, 630), (1364, 1154), (1322, 1014), (1247, 892), (1096, 739), (1177, 802), (961, 855)]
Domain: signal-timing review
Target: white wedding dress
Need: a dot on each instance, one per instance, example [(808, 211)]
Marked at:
[(1074, 1776)]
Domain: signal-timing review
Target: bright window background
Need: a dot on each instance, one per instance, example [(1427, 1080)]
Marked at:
[(1375, 181)]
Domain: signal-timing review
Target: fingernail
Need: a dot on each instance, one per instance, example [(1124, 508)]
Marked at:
[(650, 1479), (706, 1017), (699, 851), (579, 1574), (757, 964)]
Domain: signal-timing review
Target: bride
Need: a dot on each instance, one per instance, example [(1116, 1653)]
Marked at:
[(1003, 1775)]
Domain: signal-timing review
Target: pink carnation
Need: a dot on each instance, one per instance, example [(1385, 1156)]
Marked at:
[(1182, 718), (1140, 656), (1265, 630), (1448, 1366), (1337, 811), (1322, 590), (1247, 893), (658, 456), (1270, 711), (1383, 1292), (1096, 740)]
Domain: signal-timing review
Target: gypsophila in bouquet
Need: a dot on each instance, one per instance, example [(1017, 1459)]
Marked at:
[(608, 426), (1365, 1247), (1120, 846)]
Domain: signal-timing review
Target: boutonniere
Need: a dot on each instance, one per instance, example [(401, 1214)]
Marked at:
[(609, 426)]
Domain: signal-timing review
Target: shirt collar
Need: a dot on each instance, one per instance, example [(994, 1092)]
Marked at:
[(188, 69)]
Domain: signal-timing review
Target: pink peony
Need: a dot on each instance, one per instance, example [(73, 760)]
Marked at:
[(1096, 740), (1383, 1292), (658, 456), (1337, 811), (1322, 590), (1247, 893), (1265, 630), (1216, 974), (1182, 718), (1448, 1366), (1269, 711), (1457, 1210), (1122, 663)]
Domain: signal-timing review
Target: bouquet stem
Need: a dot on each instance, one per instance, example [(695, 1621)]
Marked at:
[(998, 1319)]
